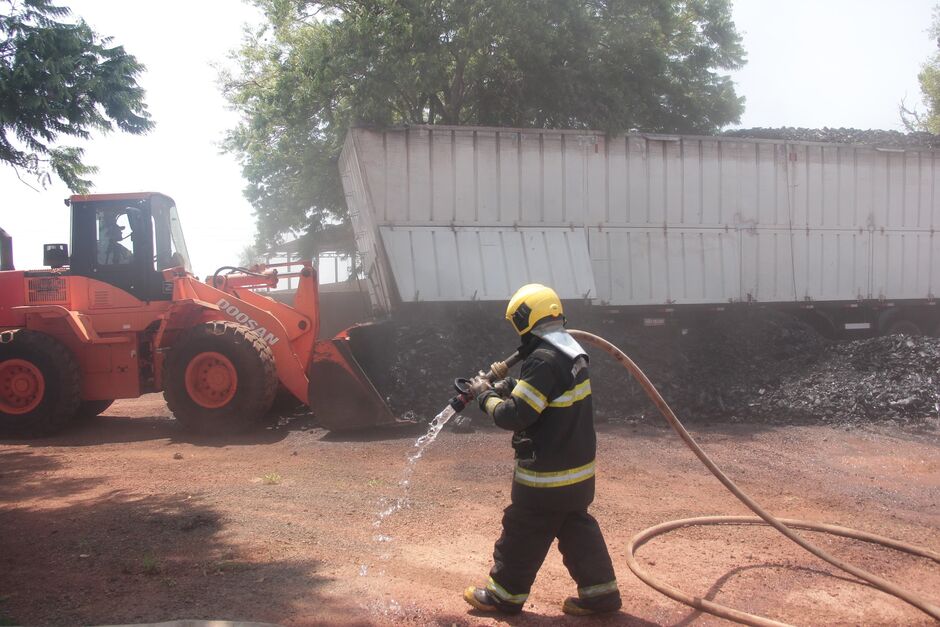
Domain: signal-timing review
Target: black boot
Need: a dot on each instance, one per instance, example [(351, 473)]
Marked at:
[(603, 604), (481, 599)]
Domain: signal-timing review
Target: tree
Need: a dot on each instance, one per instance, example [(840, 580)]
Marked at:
[(929, 79), (59, 78), (317, 68)]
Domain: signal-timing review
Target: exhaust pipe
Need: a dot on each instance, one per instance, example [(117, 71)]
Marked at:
[(6, 251)]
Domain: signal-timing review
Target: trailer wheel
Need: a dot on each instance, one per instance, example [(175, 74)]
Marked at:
[(89, 409), (39, 384), (219, 377), (904, 327)]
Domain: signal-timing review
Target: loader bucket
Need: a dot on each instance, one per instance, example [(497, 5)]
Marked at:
[(341, 395)]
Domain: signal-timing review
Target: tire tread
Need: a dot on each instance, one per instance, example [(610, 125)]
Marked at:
[(50, 419), (230, 418)]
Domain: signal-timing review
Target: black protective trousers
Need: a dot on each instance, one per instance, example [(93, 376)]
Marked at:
[(529, 533)]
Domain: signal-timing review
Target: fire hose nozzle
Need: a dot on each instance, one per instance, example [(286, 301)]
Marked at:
[(464, 394), (469, 389), (459, 402), (499, 370)]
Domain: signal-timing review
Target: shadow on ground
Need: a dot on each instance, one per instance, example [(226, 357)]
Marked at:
[(115, 427), (527, 619), (89, 557), (713, 591)]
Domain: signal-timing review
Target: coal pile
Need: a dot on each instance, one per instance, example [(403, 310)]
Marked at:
[(716, 368), (876, 137), (754, 365), (768, 367), (416, 355), (891, 378)]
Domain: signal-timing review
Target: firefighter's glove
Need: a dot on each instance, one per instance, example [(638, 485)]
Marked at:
[(504, 387), (488, 401), (478, 385)]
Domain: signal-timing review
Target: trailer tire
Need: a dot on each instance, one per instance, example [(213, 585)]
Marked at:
[(904, 327), (219, 377), (39, 384), (821, 322), (89, 409)]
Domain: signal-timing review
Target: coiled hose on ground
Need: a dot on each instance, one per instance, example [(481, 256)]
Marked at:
[(783, 525)]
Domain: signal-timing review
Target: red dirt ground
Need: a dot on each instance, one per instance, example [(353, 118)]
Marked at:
[(127, 519)]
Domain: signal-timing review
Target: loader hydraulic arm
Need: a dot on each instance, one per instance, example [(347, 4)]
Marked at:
[(290, 332), (322, 373)]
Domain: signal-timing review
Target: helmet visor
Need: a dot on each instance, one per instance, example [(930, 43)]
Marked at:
[(520, 318)]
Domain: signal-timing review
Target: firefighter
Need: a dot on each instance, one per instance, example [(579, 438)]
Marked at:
[(549, 412)]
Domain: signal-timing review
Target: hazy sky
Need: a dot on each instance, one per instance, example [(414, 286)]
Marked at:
[(810, 63), (817, 63), (179, 42)]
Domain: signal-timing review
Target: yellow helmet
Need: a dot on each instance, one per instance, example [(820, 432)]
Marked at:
[(531, 304)]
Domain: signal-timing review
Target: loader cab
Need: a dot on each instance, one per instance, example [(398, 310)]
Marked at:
[(127, 240)]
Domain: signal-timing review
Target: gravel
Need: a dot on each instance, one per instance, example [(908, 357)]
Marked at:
[(892, 139)]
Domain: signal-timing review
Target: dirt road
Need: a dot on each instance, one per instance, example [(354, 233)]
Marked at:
[(126, 519)]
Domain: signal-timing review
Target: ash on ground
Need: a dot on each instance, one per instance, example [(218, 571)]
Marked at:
[(754, 365)]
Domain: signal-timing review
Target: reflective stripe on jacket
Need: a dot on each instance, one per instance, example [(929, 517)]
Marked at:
[(553, 479), (550, 412)]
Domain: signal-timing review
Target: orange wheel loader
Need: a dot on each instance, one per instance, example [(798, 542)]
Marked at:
[(122, 315)]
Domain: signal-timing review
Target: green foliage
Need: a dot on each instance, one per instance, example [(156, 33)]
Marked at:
[(929, 78), (59, 78), (249, 256), (317, 68)]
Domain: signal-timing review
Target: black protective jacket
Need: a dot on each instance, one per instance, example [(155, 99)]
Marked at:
[(551, 416)]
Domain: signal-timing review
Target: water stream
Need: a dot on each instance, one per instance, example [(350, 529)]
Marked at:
[(390, 506), (402, 501), (433, 429)]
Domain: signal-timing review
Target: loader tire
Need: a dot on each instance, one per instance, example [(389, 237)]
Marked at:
[(89, 409), (39, 384), (219, 377)]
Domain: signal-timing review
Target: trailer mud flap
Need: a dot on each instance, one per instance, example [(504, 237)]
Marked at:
[(341, 395)]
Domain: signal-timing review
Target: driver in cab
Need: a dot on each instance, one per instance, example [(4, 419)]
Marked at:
[(110, 249)]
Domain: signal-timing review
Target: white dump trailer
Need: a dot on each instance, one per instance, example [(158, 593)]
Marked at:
[(663, 225)]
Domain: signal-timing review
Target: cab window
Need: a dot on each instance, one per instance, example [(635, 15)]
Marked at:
[(115, 237)]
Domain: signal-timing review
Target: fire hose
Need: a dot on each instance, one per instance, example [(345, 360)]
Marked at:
[(783, 525), (467, 389)]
